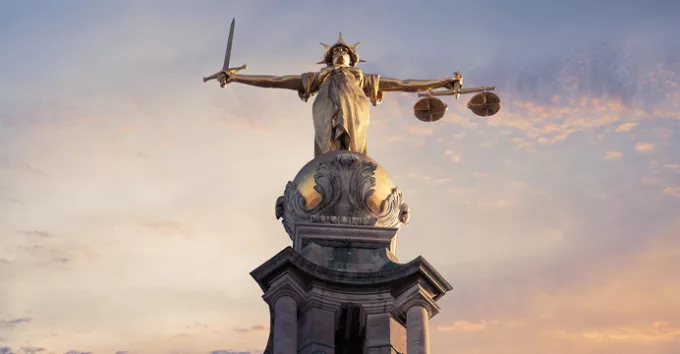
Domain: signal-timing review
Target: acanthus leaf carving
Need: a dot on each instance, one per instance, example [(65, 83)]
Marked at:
[(345, 184)]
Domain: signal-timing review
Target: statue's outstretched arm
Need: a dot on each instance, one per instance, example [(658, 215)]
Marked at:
[(389, 84), (291, 82)]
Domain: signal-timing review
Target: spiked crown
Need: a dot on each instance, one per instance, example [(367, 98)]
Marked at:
[(351, 49)]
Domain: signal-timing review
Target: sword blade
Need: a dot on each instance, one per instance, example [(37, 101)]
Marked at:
[(227, 55)]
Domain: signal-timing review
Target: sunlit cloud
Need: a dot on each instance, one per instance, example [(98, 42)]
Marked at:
[(644, 147), (452, 155), (464, 326), (626, 127), (659, 331), (257, 328), (672, 191), (613, 155)]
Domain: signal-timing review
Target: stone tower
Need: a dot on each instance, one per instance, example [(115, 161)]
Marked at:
[(340, 287)]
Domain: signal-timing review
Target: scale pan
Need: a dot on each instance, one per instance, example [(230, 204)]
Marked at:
[(485, 104), (429, 109)]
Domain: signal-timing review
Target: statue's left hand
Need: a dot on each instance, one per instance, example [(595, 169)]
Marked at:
[(456, 82)]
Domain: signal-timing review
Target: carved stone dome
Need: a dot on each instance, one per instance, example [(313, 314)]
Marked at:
[(342, 187)]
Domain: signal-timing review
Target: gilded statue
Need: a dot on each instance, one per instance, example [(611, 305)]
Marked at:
[(343, 93)]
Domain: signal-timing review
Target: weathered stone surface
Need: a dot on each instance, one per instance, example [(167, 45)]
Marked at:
[(370, 237), (384, 335), (397, 278), (349, 259), (323, 276), (417, 335), (285, 326), (316, 331)]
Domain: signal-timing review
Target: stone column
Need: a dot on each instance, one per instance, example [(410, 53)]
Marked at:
[(417, 330), (285, 325)]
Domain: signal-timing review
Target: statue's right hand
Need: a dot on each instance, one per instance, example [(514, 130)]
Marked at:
[(225, 77)]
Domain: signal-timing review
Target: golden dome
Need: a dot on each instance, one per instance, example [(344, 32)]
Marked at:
[(306, 182)]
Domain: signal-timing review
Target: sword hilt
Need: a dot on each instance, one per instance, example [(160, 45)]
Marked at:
[(231, 70)]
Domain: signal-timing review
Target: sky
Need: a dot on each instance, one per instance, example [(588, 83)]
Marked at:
[(135, 199)]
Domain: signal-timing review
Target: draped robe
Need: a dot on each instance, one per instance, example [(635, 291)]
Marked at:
[(341, 108)]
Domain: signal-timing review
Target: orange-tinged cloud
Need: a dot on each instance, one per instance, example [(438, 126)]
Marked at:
[(464, 326), (658, 331), (420, 130), (629, 302), (644, 147), (672, 191), (453, 156), (626, 127), (613, 155)]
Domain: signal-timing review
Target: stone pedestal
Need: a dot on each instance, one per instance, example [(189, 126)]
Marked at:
[(340, 288), (323, 278)]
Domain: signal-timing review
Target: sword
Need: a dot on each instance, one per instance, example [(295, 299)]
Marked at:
[(227, 57)]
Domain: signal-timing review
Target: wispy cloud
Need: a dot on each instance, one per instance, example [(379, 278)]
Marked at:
[(626, 127), (38, 233), (452, 155), (644, 147), (14, 322), (613, 155), (659, 331), (672, 191), (464, 326), (256, 328)]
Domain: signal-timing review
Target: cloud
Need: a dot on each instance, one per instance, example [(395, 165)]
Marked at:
[(168, 227), (672, 191), (659, 331), (256, 328), (13, 323), (613, 155), (490, 203), (227, 352), (419, 130), (452, 155), (626, 127), (396, 138), (464, 326), (671, 166), (36, 233), (644, 147)]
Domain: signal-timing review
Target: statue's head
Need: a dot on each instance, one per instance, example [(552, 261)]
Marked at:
[(341, 53), (340, 56)]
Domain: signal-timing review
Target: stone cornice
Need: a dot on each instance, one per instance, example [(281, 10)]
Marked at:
[(335, 235), (285, 285), (416, 295), (288, 258)]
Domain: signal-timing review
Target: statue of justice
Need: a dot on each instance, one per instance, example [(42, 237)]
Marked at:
[(344, 94)]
